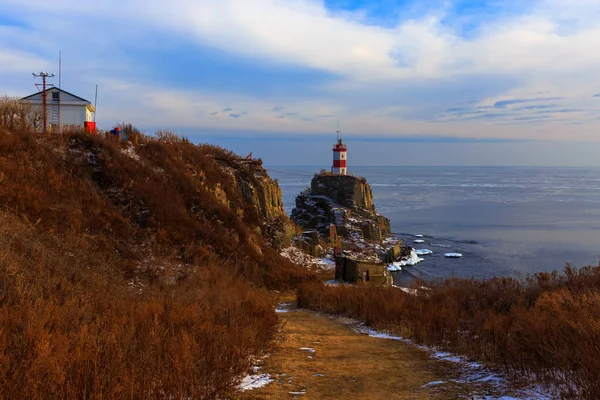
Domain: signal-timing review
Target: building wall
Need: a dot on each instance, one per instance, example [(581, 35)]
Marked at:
[(71, 115), (363, 272)]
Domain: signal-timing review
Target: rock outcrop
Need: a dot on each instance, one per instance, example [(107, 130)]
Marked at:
[(343, 200), (262, 194), (346, 190)]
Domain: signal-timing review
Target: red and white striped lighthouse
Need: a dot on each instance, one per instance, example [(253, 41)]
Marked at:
[(339, 158)]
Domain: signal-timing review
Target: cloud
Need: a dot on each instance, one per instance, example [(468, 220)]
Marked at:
[(532, 118), (505, 103), (431, 62)]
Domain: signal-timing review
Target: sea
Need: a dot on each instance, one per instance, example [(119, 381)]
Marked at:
[(505, 221)]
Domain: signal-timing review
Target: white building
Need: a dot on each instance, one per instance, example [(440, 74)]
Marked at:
[(72, 111)]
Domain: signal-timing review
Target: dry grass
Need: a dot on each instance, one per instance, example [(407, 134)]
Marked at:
[(124, 277), (544, 327), (350, 365)]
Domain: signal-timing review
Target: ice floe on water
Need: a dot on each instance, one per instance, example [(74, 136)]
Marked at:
[(453, 255), (423, 252)]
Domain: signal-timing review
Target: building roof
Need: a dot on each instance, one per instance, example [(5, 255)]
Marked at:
[(61, 90), (75, 99)]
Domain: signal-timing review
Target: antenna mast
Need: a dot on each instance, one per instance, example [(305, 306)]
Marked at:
[(95, 103), (44, 76), (339, 133)]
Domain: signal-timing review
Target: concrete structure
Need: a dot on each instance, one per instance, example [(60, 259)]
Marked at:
[(72, 111), (339, 158), (362, 272)]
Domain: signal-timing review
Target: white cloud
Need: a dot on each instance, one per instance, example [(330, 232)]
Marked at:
[(550, 49)]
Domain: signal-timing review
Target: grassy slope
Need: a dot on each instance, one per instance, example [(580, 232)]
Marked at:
[(122, 276)]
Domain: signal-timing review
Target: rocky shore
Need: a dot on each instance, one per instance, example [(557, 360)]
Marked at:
[(346, 202)]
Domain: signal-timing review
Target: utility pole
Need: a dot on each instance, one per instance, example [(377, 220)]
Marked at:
[(59, 87), (44, 76)]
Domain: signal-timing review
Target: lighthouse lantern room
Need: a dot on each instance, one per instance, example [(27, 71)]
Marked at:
[(339, 158)]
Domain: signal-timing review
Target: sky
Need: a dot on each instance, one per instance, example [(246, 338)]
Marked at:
[(429, 82)]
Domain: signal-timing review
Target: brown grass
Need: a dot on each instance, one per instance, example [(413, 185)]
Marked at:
[(351, 365), (124, 277), (544, 326)]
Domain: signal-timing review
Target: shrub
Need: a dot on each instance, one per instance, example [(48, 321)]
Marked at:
[(544, 326)]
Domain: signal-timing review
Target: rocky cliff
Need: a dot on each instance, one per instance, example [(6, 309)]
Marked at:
[(258, 191), (346, 190), (347, 202)]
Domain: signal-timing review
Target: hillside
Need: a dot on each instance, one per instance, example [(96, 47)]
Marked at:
[(137, 269)]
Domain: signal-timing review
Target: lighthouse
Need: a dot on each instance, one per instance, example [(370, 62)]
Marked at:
[(339, 157)]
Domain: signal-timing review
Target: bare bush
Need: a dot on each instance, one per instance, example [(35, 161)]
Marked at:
[(18, 114)]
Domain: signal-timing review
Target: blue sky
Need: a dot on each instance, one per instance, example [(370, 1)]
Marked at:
[(468, 82)]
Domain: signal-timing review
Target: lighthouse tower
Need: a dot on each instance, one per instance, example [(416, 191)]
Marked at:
[(339, 157)]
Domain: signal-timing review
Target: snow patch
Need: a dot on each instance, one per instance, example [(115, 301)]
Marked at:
[(251, 382), (433, 383), (303, 391), (309, 349), (418, 241), (472, 372), (298, 257)]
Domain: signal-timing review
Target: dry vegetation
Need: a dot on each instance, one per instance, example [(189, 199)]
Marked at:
[(122, 276), (545, 326), (16, 114)]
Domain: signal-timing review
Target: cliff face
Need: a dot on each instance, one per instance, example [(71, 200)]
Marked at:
[(264, 194), (250, 180), (346, 201), (348, 191)]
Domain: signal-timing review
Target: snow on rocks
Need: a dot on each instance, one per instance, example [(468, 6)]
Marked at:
[(298, 257), (414, 259)]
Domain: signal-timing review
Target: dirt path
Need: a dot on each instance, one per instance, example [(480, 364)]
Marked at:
[(322, 358)]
